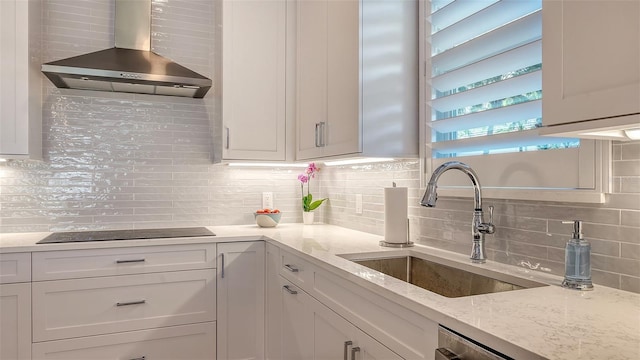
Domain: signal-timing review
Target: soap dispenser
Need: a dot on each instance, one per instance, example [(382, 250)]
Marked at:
[(577, 260)]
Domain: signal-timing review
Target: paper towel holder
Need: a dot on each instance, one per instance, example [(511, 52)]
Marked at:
[(409, 243)]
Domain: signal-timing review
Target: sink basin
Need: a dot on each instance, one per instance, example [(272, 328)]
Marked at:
[(445, 280)]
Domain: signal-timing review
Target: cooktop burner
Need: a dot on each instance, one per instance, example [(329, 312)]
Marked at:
[(109, 235)]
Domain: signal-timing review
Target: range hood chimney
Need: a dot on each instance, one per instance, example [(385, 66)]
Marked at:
[(130, 66)]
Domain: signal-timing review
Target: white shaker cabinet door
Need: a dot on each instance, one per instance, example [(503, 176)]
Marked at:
[(328, 82), (297, 322), (254, 35), (241, 300), (20, 79), (591, 52), (15, 321)]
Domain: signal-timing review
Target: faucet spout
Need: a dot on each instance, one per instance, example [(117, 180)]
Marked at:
[(479, 227)]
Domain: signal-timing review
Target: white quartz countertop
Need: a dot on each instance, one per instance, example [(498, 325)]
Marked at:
[(547, 322)]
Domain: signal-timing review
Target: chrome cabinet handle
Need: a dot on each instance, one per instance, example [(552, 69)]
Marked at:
[(353, 352), (445, 354), (130, 261), (291, 268), (322, 132), (222, 270), (127, 303), (346, 348), (228, 136), (139, 358), (317, 135), (289, 290)]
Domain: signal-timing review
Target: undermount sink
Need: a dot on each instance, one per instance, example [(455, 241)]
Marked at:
[(442, 279)]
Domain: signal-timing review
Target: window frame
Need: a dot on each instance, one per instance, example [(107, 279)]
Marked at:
[(594, 158)]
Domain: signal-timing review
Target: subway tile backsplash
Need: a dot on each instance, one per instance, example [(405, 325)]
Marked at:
[(120, 161)]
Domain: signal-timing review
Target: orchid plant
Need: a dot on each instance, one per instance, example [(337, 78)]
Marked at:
[(307, 200)]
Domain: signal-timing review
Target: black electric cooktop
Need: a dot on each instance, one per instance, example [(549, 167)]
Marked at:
[(109, 235)]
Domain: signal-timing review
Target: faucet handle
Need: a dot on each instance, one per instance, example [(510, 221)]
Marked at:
[(488, 227)]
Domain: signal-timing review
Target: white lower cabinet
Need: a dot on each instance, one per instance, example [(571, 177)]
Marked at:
[(241, 300), (326, 316), (311, 330), (15, 319), (155, 302), (189, 342)]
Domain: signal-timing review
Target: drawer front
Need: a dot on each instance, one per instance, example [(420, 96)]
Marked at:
[(70, 264), (296, 270), (193, 342), (15, 268), (81, 307)]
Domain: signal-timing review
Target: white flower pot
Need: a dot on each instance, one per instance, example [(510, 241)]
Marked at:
[(307, 217)]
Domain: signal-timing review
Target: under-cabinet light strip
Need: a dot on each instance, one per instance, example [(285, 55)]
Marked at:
[(266, 164)]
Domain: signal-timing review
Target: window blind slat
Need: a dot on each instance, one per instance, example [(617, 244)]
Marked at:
[(512, 35), (503, 115), (482, 21), (497, 141), (517, 58), (437, 5), (503, 89), (455, 11)]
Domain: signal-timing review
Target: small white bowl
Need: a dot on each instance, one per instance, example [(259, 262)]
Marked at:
[(267, 219)]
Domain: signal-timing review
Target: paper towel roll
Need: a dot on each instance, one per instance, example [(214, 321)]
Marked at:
[(395, 215)]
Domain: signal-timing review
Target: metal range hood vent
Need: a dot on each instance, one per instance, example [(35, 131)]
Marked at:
[(130, 66)]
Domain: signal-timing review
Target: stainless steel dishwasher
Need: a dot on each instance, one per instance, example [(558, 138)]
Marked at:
[(454, 346)]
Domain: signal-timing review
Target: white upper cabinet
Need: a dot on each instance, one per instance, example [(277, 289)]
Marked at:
[(357, 78), (591, 57), (20, 79), (254, 40)]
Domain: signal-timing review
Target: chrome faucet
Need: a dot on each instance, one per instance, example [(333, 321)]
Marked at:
[(478, 227)]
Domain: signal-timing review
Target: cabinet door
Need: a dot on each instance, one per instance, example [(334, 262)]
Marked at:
[(297, 322), (591, 52), (15, 321), (253, 82), (20, 80), (333, 336), (336, 338), (343, 130), (241, 300), (328, 78), (312, 31), (273, 316)]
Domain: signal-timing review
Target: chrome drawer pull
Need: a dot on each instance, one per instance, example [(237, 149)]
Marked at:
[(139, 358), (346, 349), (222, 270), (291, 268), (130, 261), (289, 290), (126, 303), (445, 354), (353, 352)]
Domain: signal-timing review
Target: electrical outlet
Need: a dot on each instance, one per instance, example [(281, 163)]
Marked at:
[(359, 204), (267, 200)]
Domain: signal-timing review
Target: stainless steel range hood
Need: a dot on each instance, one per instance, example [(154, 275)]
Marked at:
[(130, 66)]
